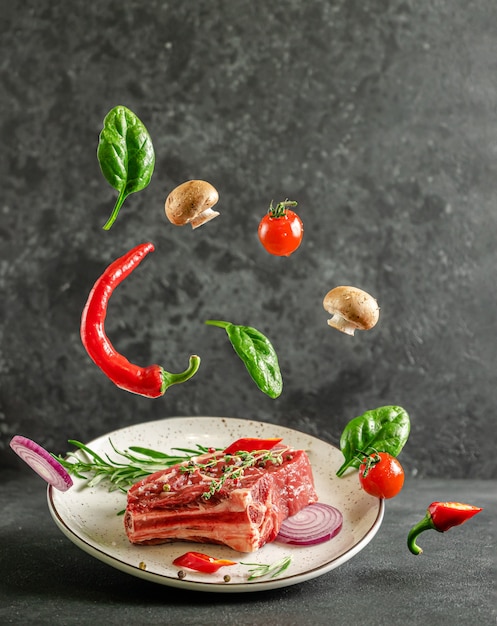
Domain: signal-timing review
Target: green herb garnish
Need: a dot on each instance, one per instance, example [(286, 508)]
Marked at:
[(140, 462), (235, 465), (258, 570)]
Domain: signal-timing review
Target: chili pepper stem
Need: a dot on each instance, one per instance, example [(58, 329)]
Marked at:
[(425, 524), (115, 211), (169, 379)]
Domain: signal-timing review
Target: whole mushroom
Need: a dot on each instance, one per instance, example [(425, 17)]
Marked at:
[(351, 309), (191, 203)]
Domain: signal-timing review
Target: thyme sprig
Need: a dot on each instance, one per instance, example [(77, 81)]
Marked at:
[(234, 466), (258, 570), (139, 462)]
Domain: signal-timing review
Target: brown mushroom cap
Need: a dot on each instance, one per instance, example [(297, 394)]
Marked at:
[(191, 203), (351, 308)]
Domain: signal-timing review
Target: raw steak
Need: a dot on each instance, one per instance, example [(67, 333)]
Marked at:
[(244, 514)]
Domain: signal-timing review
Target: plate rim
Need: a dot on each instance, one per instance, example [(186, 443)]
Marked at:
[(213, 587)]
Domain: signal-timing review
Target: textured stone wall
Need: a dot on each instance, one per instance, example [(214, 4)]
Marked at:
[(379, 118)]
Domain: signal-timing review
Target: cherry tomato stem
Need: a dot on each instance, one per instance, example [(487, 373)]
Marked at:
[(280, 209)]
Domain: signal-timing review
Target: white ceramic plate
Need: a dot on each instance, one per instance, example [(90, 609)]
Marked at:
[(88, 516)]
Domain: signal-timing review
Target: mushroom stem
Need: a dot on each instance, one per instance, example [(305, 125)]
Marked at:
[(340, 323), (203, 217)]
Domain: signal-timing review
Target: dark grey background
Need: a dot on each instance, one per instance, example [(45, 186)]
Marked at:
[(378, 117)]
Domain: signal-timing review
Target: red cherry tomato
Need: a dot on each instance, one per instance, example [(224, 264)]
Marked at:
[(381, 475), (281, 229)]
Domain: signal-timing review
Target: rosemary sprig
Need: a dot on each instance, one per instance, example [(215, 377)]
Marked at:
[(139, 462), (258, 570), (234, 468)]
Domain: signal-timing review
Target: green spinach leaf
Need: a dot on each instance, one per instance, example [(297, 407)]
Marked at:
[(385, 429), (258, 355), (125, 154)]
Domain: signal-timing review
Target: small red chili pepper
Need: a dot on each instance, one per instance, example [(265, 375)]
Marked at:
[(250, 444), (201, 562), (441, 516), (151, 381)]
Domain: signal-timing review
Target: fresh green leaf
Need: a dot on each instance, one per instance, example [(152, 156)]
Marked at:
[(258, 355), (125, 154), (385, 429)]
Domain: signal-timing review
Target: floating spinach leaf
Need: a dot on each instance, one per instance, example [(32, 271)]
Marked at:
[(385, 429), (125, 154), (258, 355)]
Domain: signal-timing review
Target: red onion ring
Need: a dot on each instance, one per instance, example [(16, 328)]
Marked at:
[(314, 524), (42, 462)]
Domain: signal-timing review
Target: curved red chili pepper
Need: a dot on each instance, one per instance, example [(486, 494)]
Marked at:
[(441, 516), (151, 381)]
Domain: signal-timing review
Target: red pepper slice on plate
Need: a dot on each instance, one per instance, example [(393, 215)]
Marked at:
[(441, 516), (201, 562), (250, 444), (151, 381)]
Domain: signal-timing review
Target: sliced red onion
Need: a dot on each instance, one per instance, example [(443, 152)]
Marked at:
[(314, 524), (42, 462)]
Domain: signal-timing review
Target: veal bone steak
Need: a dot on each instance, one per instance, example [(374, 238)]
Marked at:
[(244, 514)]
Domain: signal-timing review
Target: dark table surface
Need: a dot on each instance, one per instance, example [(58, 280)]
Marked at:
[(45, 579)]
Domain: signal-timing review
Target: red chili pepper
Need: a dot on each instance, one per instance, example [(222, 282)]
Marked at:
[(441, 516), (201, 562), (151, 381), (249, 444)]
